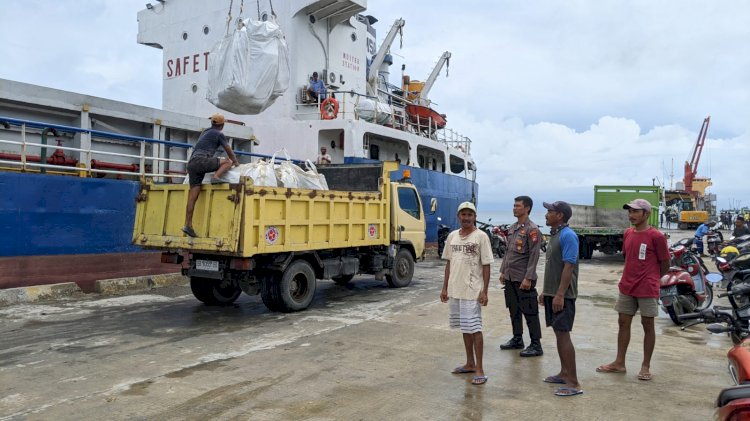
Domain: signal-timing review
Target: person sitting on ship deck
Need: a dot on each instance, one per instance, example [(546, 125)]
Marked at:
[(202, 161), (316, 90)]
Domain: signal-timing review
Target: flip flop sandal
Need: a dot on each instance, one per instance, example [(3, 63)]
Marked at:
[(606, 368), (554, 380), (568, 391), (462, 370), (644, 376), (479, 380)]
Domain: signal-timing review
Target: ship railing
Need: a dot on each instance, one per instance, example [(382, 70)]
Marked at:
[(142, 165), (396, 117)]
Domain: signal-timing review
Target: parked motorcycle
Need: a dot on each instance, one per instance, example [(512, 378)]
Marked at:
[(501, 232), (685, 288), (733, 403), (714, 239), (442, 235), (496, 242)]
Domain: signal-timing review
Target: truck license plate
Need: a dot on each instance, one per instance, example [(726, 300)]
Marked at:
[(209, 265)]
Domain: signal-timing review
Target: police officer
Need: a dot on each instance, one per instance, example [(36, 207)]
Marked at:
[(518, 275)]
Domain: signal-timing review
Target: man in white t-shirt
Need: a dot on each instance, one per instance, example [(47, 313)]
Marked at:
[(467, 278), (323, 158)]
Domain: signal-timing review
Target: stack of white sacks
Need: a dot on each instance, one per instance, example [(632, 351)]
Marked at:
[(268, 173)]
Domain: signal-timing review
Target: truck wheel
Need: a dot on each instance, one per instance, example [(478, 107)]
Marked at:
[(269, 291), (297, 286), (343, 279), (403, 270), (213, 292)]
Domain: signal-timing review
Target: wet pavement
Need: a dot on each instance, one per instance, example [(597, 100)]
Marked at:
[(360, 352)]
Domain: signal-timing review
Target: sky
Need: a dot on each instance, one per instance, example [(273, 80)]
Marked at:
[(557, 96)]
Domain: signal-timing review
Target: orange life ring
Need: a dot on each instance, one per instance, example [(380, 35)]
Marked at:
[(329, 109)]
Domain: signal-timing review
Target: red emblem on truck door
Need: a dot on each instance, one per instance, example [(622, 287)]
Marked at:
[(372, 231)]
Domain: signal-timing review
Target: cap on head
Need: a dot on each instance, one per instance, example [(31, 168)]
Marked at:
[(712, 222), (217, 119), (315, 74), (740, 218), (560, 206), (641, 204), (467, 205)]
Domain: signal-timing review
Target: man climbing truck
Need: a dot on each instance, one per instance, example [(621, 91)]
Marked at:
[(278, 241)]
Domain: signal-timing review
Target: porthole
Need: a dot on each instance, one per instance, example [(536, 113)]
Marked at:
[(264, 17), (184, 36), (194, 88), (312, 19), (206, 30), (354, 36)]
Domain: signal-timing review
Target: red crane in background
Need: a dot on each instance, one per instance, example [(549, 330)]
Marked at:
[(691, 168)]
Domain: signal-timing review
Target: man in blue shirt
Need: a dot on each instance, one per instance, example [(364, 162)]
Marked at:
[(317, 89), (700, 232), (560, 292)]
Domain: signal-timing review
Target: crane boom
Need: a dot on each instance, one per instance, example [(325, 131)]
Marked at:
[(691, 168), (377, 61), (444, 60)]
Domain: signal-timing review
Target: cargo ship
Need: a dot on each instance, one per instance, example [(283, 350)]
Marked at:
[(71, 164)]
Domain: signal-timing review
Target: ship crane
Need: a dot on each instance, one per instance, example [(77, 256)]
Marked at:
[(444, 61), (377, 61), (691, 168)]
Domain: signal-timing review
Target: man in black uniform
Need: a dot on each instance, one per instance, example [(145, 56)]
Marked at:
[(202, 161), (518, 275)]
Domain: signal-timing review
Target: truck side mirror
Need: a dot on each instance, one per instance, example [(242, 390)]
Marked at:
[(433, 205)]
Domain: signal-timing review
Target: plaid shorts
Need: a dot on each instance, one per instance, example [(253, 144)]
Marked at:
[(198, 166)]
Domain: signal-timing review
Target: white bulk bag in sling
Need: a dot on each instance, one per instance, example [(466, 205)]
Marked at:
[(248, 69)]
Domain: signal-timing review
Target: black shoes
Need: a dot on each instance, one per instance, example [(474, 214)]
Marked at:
[(189, 231), (533, 350), (515, 342)]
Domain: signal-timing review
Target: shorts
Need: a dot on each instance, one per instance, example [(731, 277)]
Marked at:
[(561, 321), (198, 166), (465, 315), (627, 304)]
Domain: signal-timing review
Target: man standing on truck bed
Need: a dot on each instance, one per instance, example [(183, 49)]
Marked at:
[(202, 161), (467, 278), (518, 275)]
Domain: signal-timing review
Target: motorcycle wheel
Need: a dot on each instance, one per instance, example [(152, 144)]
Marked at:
[(709, 299), (673, 315)]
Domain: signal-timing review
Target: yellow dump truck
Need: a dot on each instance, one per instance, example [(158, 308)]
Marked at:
[(278, 241)]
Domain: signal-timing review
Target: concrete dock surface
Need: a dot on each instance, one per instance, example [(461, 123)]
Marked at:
[(360, 352)]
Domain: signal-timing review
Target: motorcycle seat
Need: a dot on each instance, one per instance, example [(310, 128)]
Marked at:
[(733, 393)]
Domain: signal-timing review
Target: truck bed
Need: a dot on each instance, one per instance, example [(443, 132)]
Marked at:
[(245, 220)]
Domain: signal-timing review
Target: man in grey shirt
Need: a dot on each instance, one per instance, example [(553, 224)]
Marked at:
[(518, 275)]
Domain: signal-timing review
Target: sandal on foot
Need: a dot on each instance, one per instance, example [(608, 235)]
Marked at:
[(554, 379), (644, 376), (479, 380), (607, 368), (462, 370), (568, 391)]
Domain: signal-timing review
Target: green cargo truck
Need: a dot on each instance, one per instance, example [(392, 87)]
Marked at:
[(600, 227)]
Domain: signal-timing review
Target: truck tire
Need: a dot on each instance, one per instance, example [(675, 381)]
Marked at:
[(402, 271), (297, 286), (214, 293), (343, 279), (269, 291)]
